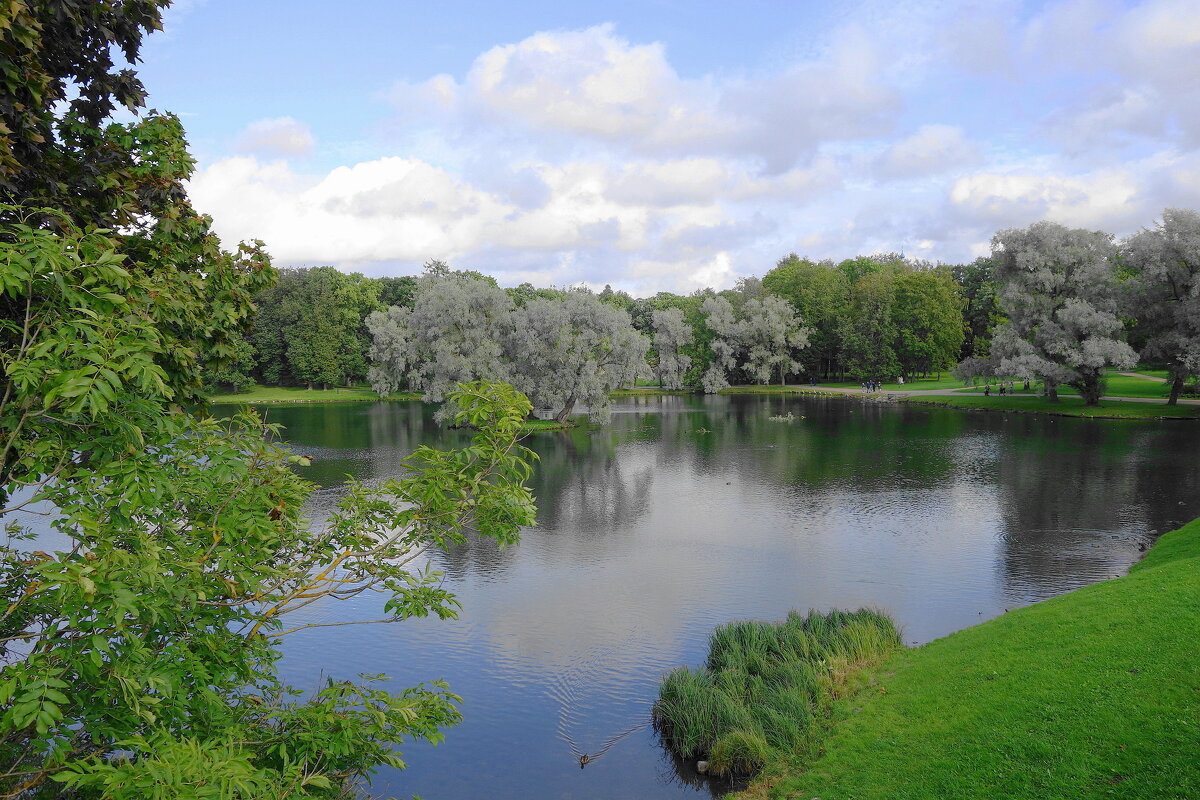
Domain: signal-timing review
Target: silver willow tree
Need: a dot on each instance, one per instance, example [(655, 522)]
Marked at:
[(719, 318), (573, 350), (454, 333), (672, 334), (1165, 293), (1060, 295), (771, 335)]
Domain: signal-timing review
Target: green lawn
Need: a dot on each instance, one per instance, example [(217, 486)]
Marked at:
[(287, 394), (1154, 373), (1093, 694), (1116, 386), (947, 381), (1067, 406)]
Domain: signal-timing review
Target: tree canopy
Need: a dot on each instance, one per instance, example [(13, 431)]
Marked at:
[(1165, 293), (560, 350), (1062, 305)]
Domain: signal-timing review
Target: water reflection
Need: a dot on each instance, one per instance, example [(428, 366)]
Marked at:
[(687, 512)]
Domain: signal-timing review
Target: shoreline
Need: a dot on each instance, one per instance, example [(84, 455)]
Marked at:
[(1111, 409)]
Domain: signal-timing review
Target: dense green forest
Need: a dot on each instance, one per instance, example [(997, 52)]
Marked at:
[(1050, 303)]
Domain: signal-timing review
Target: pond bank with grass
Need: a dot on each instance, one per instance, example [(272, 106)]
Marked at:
[(1065, 407), (1091, 694), (299, 394)]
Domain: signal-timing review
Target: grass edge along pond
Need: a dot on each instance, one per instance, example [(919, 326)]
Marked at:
[(1065, 407), (1091, 694), (299, 394)]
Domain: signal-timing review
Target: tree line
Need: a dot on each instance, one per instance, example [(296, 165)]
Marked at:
[(1050, 303)]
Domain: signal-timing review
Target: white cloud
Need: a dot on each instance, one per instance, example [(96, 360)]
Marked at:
[(1095, 200), (656, 221), (932, 149), (596, 86), (274, 137)]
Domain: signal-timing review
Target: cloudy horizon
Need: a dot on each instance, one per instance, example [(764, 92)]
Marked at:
[(675, 146)]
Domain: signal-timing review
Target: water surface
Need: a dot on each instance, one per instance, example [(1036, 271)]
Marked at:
[(687, 512)]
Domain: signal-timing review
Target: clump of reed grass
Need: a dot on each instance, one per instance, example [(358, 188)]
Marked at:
[(768, 686)]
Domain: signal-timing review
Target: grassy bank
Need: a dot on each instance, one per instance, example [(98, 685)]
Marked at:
[(291, 394), (652, 391), (1092, 694), (1066, 406), (775, 388), (535, 425), (766, 689)]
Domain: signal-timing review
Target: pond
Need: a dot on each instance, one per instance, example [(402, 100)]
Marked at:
[(683, 513)]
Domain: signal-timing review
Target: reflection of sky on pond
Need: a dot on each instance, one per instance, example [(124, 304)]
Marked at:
[(687, 512)]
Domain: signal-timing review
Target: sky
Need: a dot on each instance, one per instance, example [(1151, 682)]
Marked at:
[(669, 145)]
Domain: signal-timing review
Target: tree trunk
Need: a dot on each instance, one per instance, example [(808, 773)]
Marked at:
[(1176, 388), (1051, 391), (1090, 389), (561, 417)]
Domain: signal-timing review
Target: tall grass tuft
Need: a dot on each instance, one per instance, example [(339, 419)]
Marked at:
[(768, 687)]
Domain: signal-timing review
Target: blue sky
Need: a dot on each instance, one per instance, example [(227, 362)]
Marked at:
[(673, 145)]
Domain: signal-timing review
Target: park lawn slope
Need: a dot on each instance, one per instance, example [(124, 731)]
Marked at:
[(1092, 694), (1065, 407)]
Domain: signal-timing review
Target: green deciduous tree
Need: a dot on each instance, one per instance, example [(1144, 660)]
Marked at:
[(928, 322), (981, 312), (868, 332), (309, 327), (820, 293)]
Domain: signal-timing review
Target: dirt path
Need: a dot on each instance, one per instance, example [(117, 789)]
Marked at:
[(1143, 377)]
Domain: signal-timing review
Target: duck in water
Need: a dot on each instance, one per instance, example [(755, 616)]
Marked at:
[(587, 758)]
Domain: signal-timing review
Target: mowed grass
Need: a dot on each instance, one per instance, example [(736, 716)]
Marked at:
[(1092, 694), (765, 690), (1115, 386), (290, 394), (1066, 406)]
